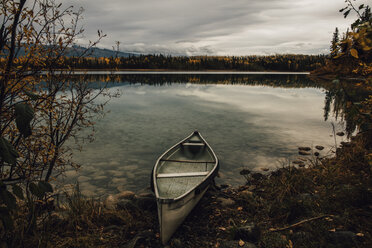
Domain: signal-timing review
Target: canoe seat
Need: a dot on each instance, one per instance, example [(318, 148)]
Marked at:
[(183, 174), (193, 144)]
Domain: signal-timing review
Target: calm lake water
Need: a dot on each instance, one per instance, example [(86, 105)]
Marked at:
[(248, 122)]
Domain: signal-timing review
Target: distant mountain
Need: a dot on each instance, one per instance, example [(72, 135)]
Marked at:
[(96, 52), (92, 52)]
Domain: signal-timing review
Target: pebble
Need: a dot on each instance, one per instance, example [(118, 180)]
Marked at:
[(235, 244), (246, 194), (226, 202), (110, 202), (257, 176), (245, 172)]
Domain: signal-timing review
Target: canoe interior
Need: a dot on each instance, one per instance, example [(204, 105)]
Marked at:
[(191, 157)]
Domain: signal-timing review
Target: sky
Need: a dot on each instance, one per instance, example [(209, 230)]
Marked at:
[(214, 27)]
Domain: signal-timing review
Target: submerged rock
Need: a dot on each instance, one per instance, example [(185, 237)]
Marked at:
[(257, 176), (303, 152), (125, 195), (319, 147)]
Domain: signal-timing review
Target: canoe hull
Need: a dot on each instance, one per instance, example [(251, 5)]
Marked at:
[(171, 215), (180, 178)]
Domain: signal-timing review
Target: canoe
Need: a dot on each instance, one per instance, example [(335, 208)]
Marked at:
[(180, 178)]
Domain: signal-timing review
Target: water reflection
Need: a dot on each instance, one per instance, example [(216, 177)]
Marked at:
[(247, 123)]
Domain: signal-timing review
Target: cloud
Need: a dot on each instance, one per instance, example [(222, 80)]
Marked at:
[(194, 27)]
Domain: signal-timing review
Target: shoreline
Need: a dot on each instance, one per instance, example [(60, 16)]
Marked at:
[(322, 203), (165, 71)]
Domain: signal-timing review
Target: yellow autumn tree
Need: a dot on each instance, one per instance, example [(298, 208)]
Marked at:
[(40, 109)]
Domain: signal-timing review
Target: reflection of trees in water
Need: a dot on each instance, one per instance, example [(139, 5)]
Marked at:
[(273, 80), (343, 100)]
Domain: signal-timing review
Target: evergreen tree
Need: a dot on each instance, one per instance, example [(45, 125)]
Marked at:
[(334, 45)]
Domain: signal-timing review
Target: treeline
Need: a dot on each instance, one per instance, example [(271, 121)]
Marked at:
[(295, 63)]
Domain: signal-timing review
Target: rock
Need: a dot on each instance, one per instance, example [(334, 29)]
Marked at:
[(125, 195), (246, 194), (257, 176), (299, 163), (249, 232), (126, 204), (340, 133), (302, 152), (235, 244), (316, 154), (224, 186), (319, 147), (304, 148), (245, 172), (342, 238), (146, 203), (226, 202), (110, 202)]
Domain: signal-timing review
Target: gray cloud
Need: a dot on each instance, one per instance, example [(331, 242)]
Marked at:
[(194, 27)]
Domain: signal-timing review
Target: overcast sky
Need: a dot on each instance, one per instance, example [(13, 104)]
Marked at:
[(214, 27)]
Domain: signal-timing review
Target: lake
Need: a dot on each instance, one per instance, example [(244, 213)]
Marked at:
[(251, 121)]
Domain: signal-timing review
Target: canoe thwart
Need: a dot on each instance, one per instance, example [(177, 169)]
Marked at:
[(193, 144), (183, 174)]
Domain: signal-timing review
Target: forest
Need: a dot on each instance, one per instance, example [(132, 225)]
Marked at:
[(286, 62)]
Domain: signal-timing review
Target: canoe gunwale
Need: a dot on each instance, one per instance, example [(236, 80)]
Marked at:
[(203, 183)]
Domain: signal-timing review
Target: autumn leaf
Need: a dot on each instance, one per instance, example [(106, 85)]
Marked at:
[(241, 243), (354, 53)]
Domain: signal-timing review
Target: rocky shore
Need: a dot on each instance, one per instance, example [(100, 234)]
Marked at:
[(312, 202)]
